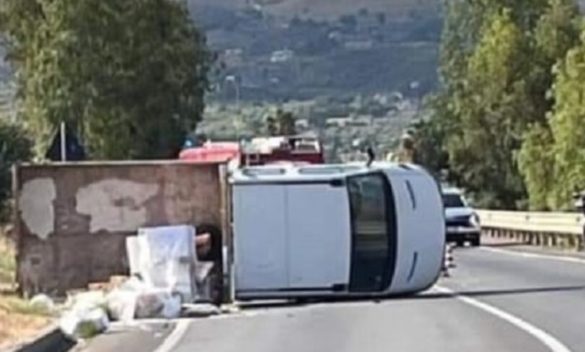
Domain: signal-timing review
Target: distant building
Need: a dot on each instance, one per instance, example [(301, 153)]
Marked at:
[(302, 124), (233, 57), (358, 45), (282, 56), (338, 121), (361, 121)]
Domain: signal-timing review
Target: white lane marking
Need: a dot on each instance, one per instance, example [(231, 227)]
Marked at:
[(547, 339), (535, 255), (182, 326), (173, 340)]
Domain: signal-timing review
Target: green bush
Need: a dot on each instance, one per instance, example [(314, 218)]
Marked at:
[(15, 146)]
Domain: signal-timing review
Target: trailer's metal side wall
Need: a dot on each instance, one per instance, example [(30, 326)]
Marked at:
[(72, 219)]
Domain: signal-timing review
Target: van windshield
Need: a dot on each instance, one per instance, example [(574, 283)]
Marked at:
[(373, 232)]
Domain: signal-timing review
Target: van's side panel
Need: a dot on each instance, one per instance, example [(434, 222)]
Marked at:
[(318, 236), (260, 248), (421, 231)]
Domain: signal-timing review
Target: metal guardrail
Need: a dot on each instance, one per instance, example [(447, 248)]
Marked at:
[(536, 228), (563, 223)]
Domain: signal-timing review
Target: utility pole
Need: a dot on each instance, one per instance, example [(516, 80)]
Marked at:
[(234, 82), (63, 133), (232, 79)]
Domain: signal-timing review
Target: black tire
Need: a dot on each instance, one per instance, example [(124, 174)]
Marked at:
[(476, 242), (460, 243)]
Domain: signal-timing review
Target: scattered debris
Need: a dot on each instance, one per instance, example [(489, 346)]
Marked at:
[(203, 271), (157, 304), (86, 315), (43, 302), (230, 309), (166, 279), (200, 310), (165, 258)]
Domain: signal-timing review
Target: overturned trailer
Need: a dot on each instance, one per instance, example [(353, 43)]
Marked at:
[(72, 219)]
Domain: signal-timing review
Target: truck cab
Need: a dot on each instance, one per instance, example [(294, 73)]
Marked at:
[(335, 230)]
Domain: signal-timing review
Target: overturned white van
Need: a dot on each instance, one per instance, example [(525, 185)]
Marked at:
[(336, 230)]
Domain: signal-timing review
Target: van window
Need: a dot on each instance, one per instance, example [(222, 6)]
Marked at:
[(373, 232)]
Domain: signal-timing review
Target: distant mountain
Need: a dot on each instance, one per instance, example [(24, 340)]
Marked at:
[(302, 49)]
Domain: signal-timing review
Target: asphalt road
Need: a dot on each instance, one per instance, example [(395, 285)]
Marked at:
[(496, 300)]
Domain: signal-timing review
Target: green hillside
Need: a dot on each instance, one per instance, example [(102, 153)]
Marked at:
[(281, 50), (327, 9)]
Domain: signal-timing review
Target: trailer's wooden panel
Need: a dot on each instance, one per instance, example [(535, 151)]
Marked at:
[(72, 219)]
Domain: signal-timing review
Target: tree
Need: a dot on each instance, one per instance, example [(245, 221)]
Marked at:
[(429, 140), (271, 126), (490, 113), (283, 124), (536, 162), (15, 146), (568, 129), (286, 123), (130, 76), (496, 71), (555, 34)]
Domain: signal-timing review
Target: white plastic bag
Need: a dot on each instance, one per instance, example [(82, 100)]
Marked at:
[(85, 316), (133, 252), (172, 307), (86, 301), (122, 305), (82, 323), (157, 304), (44, 302)]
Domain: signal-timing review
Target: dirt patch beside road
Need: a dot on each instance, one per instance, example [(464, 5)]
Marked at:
[(19, 320)]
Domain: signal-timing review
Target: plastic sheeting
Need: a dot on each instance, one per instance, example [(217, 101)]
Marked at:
[(165, 258)]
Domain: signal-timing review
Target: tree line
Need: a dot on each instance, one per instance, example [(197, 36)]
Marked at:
[(128, 77), (508, 123)]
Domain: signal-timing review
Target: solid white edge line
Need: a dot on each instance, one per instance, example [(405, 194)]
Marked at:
[(547, 339), (535, 255), (172, 341)]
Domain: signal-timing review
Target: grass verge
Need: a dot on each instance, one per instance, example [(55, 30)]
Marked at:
[(19, 320)]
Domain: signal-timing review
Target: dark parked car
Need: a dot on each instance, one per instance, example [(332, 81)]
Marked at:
[(462, 221)]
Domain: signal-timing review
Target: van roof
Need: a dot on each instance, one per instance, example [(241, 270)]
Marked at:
[(292, 172)]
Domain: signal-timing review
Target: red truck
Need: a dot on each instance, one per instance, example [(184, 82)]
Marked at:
[(259, 151)]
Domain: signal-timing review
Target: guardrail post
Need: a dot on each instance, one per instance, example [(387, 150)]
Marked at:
[(553, 240)]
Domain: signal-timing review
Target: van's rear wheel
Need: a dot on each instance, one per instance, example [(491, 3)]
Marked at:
[(460, 243)]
